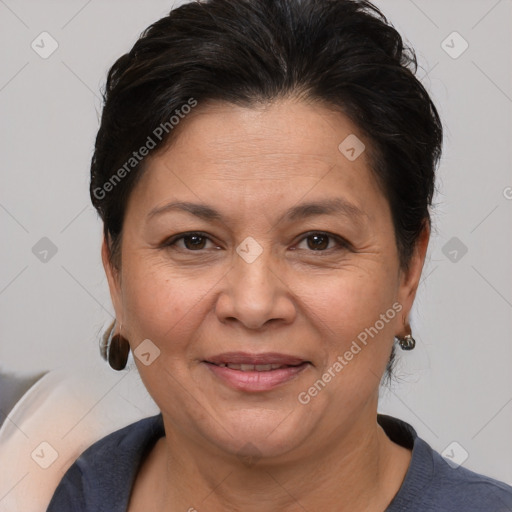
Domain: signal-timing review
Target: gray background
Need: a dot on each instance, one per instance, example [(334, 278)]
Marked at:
[(456, 385)]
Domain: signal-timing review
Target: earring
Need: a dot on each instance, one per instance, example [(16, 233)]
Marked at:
[(406, 342), (118, 349)]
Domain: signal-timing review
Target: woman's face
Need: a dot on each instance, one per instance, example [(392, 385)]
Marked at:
[(256, 325)]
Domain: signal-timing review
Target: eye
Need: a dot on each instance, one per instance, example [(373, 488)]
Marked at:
[(194, 241), (320, 241), (317, 241)]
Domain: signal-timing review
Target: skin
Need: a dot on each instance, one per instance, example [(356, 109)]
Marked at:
[(253, 164)]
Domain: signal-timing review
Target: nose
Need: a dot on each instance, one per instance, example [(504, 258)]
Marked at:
[(255, 294)]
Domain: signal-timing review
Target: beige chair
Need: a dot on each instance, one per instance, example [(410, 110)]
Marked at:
[(57, 418)]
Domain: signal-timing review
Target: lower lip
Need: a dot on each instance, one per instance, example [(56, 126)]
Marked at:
[(253, 381)]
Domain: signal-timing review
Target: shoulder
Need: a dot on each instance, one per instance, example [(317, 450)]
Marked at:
[(436, 484), (463, 489), (101, 478)]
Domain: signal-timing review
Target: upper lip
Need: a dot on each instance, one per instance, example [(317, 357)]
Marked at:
[(263, 358)]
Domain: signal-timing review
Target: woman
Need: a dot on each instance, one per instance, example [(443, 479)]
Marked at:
[(264, 172)]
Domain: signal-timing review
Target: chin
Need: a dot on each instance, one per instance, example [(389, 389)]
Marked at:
[(261, 433)]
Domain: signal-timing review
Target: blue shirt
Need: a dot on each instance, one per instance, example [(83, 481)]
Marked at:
[(101, 479)]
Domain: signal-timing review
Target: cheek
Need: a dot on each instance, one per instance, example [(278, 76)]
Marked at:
[(357, 320), (357, 314), (161, 304), (353, 300)]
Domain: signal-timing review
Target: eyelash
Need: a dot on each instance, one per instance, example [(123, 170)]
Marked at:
[(342, 244)]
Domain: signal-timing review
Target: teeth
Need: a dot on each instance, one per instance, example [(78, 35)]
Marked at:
[(252, 367)]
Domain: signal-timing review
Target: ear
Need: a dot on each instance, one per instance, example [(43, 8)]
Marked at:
[(410, 278), (114, 281)]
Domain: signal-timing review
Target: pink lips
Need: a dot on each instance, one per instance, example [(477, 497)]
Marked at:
[(255, 372)]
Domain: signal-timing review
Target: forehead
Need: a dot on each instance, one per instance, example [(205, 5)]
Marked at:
[(292, 132), (287, 149)]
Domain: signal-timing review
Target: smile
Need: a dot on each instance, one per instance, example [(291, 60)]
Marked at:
[(255, 372), (253, 367)]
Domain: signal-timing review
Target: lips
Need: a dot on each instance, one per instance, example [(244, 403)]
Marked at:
[(255, 372), (267, 358), (252, 367)]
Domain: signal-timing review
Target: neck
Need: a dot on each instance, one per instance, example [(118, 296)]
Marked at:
[(359, 470)]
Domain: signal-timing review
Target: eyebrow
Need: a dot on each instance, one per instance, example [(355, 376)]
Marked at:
[(302, 211)]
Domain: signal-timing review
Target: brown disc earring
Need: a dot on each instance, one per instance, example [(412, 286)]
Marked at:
[(118, 349)]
